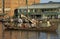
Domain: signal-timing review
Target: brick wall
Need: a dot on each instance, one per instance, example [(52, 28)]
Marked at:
[(13, 4)]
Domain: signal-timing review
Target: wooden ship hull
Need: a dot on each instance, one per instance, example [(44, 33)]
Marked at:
[(53, 27)]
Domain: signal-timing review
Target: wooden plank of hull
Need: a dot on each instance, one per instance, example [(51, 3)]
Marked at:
[(51, 28)]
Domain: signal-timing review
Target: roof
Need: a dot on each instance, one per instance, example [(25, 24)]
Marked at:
[(40, 6), (50, 2), (43, 5)]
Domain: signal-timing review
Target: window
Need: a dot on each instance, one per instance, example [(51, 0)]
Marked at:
[(25, 10), (22, 10), (35, 10), (31, 10)]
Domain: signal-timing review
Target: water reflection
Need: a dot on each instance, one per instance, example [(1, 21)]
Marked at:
[(30, 35)]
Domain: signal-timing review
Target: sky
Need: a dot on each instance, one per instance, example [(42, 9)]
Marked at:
[(45, 1)]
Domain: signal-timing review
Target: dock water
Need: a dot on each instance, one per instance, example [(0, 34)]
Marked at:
[(17, 34)]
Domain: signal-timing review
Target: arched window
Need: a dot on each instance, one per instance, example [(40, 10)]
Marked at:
[(16, 13)]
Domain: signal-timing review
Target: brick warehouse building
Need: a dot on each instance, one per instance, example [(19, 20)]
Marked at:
[(11, 5)]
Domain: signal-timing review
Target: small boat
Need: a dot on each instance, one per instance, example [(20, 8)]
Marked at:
[(35, 25), (27, 27), (39, 25)]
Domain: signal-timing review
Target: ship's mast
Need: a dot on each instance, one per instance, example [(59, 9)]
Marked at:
[(27, 6), (3, 16), (3, 7), (34, 1)]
